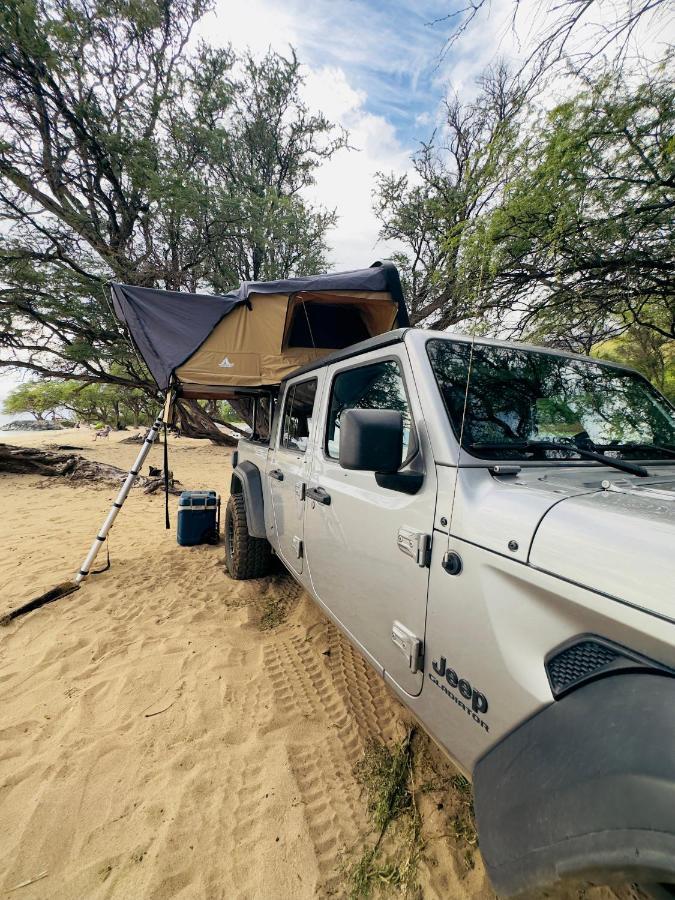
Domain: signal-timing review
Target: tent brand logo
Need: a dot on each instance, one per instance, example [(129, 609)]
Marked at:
[(226, 364)]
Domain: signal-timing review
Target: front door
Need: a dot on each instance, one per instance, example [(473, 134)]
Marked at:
[(288, 470), (362, 539)]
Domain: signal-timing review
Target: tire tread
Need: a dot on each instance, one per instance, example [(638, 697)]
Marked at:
[(251, 557)]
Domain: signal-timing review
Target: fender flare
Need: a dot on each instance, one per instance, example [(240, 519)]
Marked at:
[(583, 790), (246, 480)]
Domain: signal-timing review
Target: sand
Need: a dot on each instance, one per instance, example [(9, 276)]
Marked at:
[(158, 739)]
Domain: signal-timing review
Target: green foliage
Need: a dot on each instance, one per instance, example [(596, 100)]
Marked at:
[(556, 226), (582, 243), (37, 398), (648, 352), (439, 216), (386, 775), (105, 404), (128, 155)]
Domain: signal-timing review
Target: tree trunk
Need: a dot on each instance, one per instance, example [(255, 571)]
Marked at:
[(31, 461), (194, 422)]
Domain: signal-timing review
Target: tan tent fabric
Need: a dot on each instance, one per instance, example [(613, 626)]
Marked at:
[(248, 347), (212, 345)]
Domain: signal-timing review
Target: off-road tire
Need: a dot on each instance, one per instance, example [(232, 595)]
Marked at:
[(245, 556)]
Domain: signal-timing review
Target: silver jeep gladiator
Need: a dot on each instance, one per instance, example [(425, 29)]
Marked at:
[(492, 525)]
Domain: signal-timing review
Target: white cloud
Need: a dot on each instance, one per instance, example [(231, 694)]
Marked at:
[(495, 33), (344, 183), (257, 24)]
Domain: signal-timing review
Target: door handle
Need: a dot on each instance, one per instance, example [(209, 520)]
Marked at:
[(277, 474), (319, 494)]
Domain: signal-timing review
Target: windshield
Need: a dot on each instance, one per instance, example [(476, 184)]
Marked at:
[(518, 398)]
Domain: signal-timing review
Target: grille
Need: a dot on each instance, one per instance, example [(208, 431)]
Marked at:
[(578, 662)]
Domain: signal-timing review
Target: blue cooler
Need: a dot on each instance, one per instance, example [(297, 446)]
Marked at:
[(198, 518)]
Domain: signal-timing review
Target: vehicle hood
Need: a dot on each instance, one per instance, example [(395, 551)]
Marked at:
[(618, 540)]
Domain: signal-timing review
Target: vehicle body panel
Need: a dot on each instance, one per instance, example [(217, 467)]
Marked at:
[(554, 552), (618, 541), (495, 624), (287, 496), (356, 567)]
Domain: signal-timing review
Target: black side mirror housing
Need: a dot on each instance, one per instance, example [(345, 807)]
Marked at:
[(371, 440)]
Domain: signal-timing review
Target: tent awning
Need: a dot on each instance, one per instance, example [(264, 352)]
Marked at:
[(259, 333)]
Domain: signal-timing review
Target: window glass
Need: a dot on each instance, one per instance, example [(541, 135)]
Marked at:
[(519, 399), (378, 386), (298, 411)]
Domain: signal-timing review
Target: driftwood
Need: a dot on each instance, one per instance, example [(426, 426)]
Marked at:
[(31, 461), (139, 438), (62, 447)]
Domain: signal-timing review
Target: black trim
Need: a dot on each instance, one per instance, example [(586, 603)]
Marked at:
[(99, 538), (583, 790), (612, 659), (246, 480), (405, 482), (118, 505)]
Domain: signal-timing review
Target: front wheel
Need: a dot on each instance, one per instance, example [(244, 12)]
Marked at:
[(245, 556)]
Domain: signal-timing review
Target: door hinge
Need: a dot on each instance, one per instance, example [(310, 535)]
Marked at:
[(410, 646), (300, 490), (297, 546), (415, 544)]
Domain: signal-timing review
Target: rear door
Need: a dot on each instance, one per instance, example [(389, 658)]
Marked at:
[(362, 539), (289, 466)]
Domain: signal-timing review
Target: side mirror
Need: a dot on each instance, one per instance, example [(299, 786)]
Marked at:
[(371, 440)]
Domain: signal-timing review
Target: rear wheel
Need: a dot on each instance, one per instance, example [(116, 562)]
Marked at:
[(245, 556)]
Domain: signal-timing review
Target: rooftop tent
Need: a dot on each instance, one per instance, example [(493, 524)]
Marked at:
[(209, 346)]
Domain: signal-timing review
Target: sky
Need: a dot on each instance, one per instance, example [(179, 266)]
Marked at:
[(378, 69)]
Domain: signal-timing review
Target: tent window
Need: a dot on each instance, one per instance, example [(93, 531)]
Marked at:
[(297, 422), (330, 326)]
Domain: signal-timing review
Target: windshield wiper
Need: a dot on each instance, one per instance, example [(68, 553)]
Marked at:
[(622, 464), (637, 445)]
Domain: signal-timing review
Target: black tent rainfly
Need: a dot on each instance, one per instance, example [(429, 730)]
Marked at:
[(209, 346)]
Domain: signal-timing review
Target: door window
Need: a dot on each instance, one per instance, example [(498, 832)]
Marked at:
[(297, 418), (377, 386)]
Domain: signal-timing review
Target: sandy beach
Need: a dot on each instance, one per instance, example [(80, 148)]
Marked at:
[(168, 732)]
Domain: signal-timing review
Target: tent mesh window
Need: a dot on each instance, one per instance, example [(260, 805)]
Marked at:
[(326, 325), (578, 662)]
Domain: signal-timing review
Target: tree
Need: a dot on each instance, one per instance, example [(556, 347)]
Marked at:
[(605, 25), (582, 244), (126, 156), (648, 352), (262, 149), (111, 404), (37, 398), (438, 214)]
